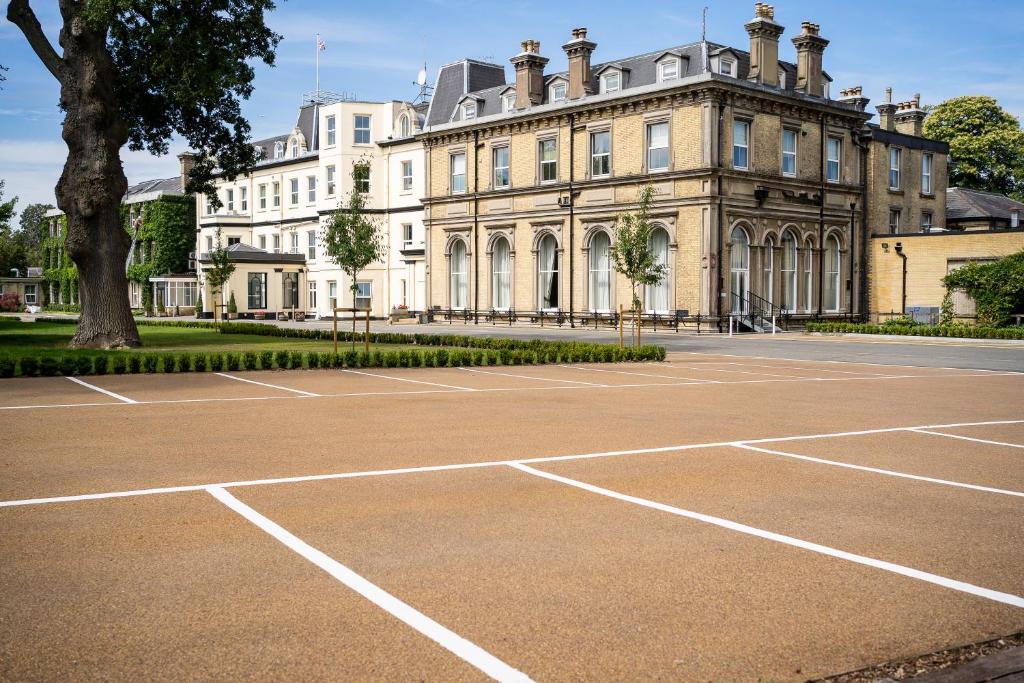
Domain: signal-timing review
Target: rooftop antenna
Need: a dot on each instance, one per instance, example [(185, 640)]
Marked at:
[(704, 24), (426, 91)]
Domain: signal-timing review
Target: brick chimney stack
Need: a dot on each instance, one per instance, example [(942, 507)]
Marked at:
[(579, 50), (529, 74), (910, 117), (886, 111), (854, 96), (764, 45), (186, 161), (809, 48)]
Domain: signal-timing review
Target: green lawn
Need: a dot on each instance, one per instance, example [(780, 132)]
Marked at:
[(19, 339)]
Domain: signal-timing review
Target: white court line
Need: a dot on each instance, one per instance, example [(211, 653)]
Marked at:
[(542, 379), (877, 470), (692, 380), (264, 384), (471, 465), (795, 367), (969, 438), (119, 397), (1005, 598), (742, 372), (451, 641), (406, 379), (848, 362)]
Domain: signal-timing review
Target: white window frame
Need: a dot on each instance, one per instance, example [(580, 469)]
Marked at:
[(404, 127), (895, 219), (895, 163), (505, 179), (547, 163), (362, 184), (407, 235), (727, 66), (332, 186), (833, 278), (311, 294), (311, 245), (406, 176), (508, 102), (926, 221), (295, 148), (594, 156), (278, 150), (743, 124), (277, 194), (558, 91), (789, 154), (332, 130), (229, 199), (468, 110), (359, 131), (243, 198), (663, 69), (1015, 219), (834, 162), (926, 173), (277, 243), (311, 189), (263, 196), (454, 186), (263, 242), (611, 82), (293, 191), (332, 294), (651, 149)]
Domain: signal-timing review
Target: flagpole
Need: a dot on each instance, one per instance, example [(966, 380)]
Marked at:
[(317, 47)]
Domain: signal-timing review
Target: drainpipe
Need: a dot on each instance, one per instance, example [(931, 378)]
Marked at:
[(572, 213), (863, 144), (721, 215), (853, 218), (821, 215), (903, 297), (476, 227)]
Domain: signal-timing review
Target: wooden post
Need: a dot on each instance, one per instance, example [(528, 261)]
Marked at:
[(366, 337), (334, 322), (621, 316)]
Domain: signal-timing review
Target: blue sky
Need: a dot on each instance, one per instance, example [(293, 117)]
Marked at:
[(939, 48)]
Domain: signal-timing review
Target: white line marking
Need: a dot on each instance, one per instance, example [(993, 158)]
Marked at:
[(472, 465), (542, 379), (876, 470), (406, 379), (119, 397), (691, 380), (504, 389), (264, 384), (451, 641), (795, 367), (969, 438), (742, 372), (846, 362), (1005, 598)]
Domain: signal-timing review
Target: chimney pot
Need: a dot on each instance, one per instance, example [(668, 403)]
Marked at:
[(809, 49), (578, 50), (529, 67), (764, 45)]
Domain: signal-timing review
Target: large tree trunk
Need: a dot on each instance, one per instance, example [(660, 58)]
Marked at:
[(93, 183)]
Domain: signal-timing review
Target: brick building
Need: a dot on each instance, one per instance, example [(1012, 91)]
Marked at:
[(762, 180)]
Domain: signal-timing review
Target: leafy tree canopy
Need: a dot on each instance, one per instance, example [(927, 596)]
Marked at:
[(986, 144), (632, 253), (997, 288), (33, 225), (351, 237)]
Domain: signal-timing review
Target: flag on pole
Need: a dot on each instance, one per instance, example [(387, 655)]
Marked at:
[(320, 44)]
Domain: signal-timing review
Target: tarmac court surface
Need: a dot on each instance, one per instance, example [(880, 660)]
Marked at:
[(711, 517)]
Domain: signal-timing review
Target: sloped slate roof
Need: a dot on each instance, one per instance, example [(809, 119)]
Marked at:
[(641, 70), (964, 204), (157, 185)]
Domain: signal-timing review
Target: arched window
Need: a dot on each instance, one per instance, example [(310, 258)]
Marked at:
[(403, 126), (547, 274), (809, 276), (295, 148), (739, 269), (832, 273), (278, 149), (501, 274), (789, 271), (600, 273), (459, 275), (657, 296), (768, 290)]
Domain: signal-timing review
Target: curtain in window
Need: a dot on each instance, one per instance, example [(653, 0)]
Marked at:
[(789, 272), (257, 290), (769, 270), (600, 273), (547, 264), (501, 274), (739, 269), (459, 275), (832, 274), (658, 295), (808, 276), (290, 290)]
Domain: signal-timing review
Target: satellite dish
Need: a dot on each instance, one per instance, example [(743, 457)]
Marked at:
[(421, 78)]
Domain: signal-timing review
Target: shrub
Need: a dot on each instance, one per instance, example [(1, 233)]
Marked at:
[(327, 360), (199, 362), (249, 359), (295, 359), (149, 362), (29, 366), (266, 360), (312, 359), (168, 361), (100, 364), (48, 366), (216, 362), (68, 365), (134, 363), (83, 365), (9, 302), (6, 366), (233, 361), (280, 357), (184, 362), (352, 359), (119, 364)]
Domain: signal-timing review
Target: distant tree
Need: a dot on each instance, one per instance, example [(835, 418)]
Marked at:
[(137, 72), (12, 251), (986, 144), (351, 238), (220, 271), (33, 228), (632, 253)]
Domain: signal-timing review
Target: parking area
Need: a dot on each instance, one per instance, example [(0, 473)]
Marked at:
[(706, 518)]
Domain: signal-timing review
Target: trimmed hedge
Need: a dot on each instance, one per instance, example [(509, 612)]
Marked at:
[(957, 331), (128, 363)]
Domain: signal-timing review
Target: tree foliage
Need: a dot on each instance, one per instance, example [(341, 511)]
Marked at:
[(997, 288), (12, 250), (986, 144), (632, 253), (220, 270), (33, 227)]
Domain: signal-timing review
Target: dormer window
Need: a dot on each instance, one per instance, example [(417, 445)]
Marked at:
[(557, 91), (782, 79), (295, 149), (668, 69), (611, 82), (278, 150), (727, 67), (258, 151), (508, 102), (468, 110), (404, 129)]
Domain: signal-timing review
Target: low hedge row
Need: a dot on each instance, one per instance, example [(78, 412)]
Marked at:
[(134, 363), (959, 331)]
